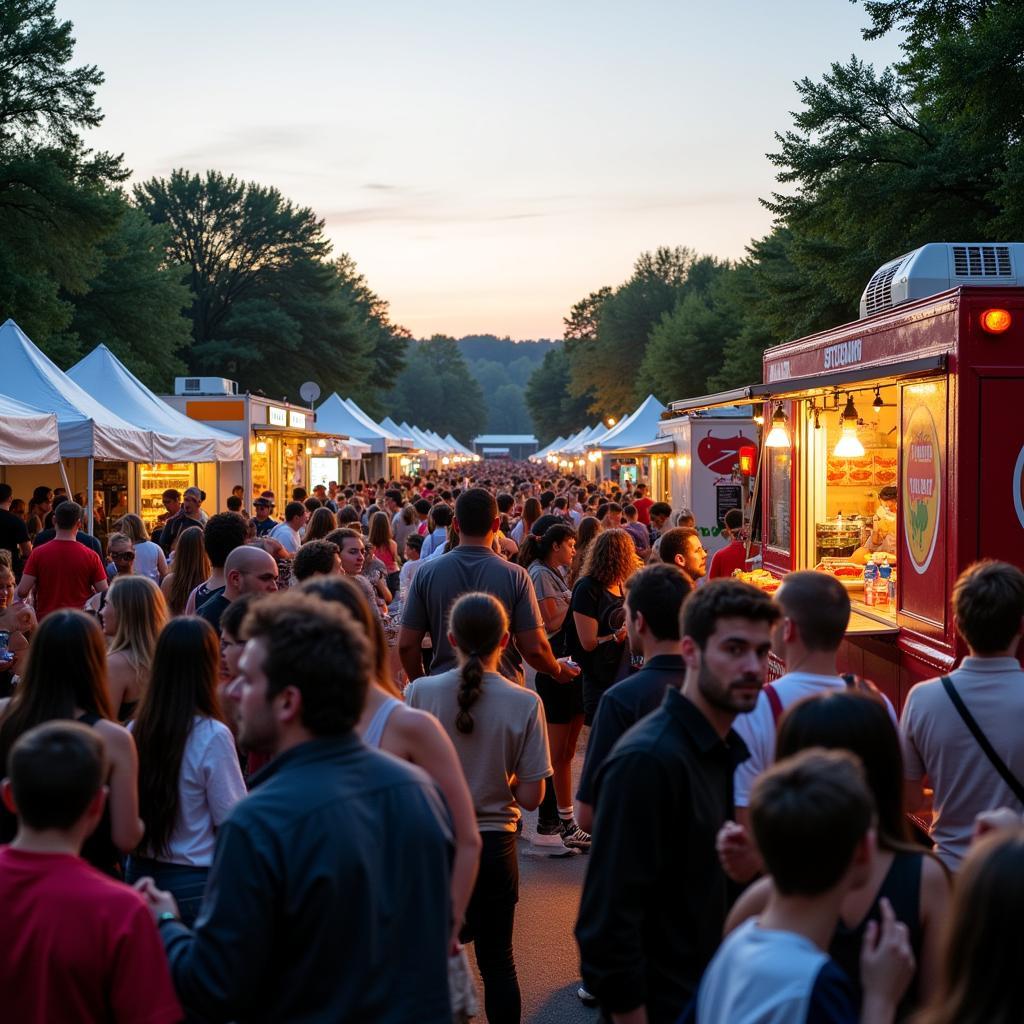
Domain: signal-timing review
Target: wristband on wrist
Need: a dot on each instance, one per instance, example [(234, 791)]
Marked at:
[(165, 916)]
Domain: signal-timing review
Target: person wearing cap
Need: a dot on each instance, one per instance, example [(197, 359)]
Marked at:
[(263, 522), (190, 514)]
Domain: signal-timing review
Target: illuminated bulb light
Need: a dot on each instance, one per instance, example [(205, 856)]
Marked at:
[(996, 321), (261, 447), (446, 461), (322, 442), (849, 445), (778, 436)]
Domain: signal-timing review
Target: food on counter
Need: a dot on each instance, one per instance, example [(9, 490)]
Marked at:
[(760, 578)]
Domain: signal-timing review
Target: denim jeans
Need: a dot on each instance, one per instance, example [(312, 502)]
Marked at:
[(490, 917), (183, 882)]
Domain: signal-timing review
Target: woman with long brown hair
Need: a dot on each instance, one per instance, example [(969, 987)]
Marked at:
[(597, 633), (588, 529), (531, 513), (321, 522), (65, 676), (189, 778), (983, 945), (189, 568), (132, 617), (498, 731), (412, 735), (383, 547)]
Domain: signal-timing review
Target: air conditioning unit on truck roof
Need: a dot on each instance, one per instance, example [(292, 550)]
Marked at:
[(940, 265)]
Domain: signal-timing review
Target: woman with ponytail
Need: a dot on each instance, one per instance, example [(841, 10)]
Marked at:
[(499, 734)]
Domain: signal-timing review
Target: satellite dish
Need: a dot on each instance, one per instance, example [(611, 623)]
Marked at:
[(310, 391)]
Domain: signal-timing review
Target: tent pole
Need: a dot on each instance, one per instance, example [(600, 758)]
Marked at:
[(90, 504), (64, 478)]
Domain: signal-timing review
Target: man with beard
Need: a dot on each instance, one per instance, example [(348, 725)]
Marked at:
[(655, 897), (329, 894), (681, 546)]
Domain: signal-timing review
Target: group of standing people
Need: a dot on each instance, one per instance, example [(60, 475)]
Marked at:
[(184, 722)]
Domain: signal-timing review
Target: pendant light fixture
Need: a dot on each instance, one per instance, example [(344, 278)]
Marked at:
[(877, 404), (849, 445), (778, 436)]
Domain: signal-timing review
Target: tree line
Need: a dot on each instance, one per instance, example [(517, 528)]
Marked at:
[(875, 164), (197, 273)]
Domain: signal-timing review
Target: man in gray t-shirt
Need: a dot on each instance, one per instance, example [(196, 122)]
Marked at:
[(474, 566), (988, 603)]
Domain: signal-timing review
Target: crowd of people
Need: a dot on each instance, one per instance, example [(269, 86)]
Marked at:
[(267, 767)]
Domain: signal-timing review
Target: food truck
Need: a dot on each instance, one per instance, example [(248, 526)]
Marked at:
[(919, 396)]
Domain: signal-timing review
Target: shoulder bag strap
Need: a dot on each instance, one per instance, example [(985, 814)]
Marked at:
[(773, 702), (997, 762)]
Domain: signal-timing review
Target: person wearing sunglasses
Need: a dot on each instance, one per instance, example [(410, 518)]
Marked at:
[(120, 555)]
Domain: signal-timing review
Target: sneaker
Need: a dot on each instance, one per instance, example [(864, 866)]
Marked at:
[(551, 837), (574, 837), (585, 997)]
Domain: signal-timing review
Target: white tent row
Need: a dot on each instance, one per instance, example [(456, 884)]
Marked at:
[(639, 427), (539, 456)]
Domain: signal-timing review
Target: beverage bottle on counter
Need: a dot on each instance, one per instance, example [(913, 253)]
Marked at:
[(882, 583), (870, 577), (885, 575)]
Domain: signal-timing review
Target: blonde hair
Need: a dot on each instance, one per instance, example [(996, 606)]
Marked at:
[(141, 615), (133, 527)]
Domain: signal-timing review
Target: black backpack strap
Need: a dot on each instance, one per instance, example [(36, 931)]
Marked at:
[(997, 762)]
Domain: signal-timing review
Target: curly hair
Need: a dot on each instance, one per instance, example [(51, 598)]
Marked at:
[(611, 558)]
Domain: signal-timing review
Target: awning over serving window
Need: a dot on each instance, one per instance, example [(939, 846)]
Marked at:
[(798, 387)]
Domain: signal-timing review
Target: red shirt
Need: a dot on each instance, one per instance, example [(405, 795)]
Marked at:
[(733, 556), (64, 571), (643, 510), (77, 945)]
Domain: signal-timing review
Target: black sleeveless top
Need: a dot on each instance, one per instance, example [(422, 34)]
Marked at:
[(902, 887), (99, 849)]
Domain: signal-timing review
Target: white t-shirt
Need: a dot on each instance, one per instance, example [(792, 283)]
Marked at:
[(210, 783), (763, 976), (289, 538), (147, 558), (757, 729)]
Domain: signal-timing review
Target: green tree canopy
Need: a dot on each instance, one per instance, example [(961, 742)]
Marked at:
[(553, 407), (435, 390)]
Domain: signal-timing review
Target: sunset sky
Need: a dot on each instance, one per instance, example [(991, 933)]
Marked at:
[(486, 164)]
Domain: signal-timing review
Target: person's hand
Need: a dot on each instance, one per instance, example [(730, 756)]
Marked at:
[(159, 901), (567, 670), (994, 821), (737, 853), (886, 963), (621, 635)]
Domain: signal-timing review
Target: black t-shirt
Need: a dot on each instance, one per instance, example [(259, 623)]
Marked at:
[(13, 532), (213, 609), (591, 598)]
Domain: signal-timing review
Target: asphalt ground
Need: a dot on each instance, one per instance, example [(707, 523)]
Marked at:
[(547, 960)]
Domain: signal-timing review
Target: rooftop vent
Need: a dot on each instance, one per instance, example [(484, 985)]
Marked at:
[(938, 266)]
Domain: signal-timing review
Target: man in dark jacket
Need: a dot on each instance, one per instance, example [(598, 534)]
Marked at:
[(655, 897), (329, 897)]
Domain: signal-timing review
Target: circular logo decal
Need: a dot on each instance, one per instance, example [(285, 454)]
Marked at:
[(1018, 486), (922, 487)]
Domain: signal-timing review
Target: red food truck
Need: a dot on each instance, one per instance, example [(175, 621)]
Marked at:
[(895, 440)]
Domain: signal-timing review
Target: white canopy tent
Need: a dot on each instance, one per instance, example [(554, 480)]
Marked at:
[(86, 428), (457, 445), (28, 436), (176, 437), (547, 449), (335, 417), (638, 428)]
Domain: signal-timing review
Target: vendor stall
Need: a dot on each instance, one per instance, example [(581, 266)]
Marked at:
[(385, 449), (280, 439), (640, 427), (185, 451), (892, 443)]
